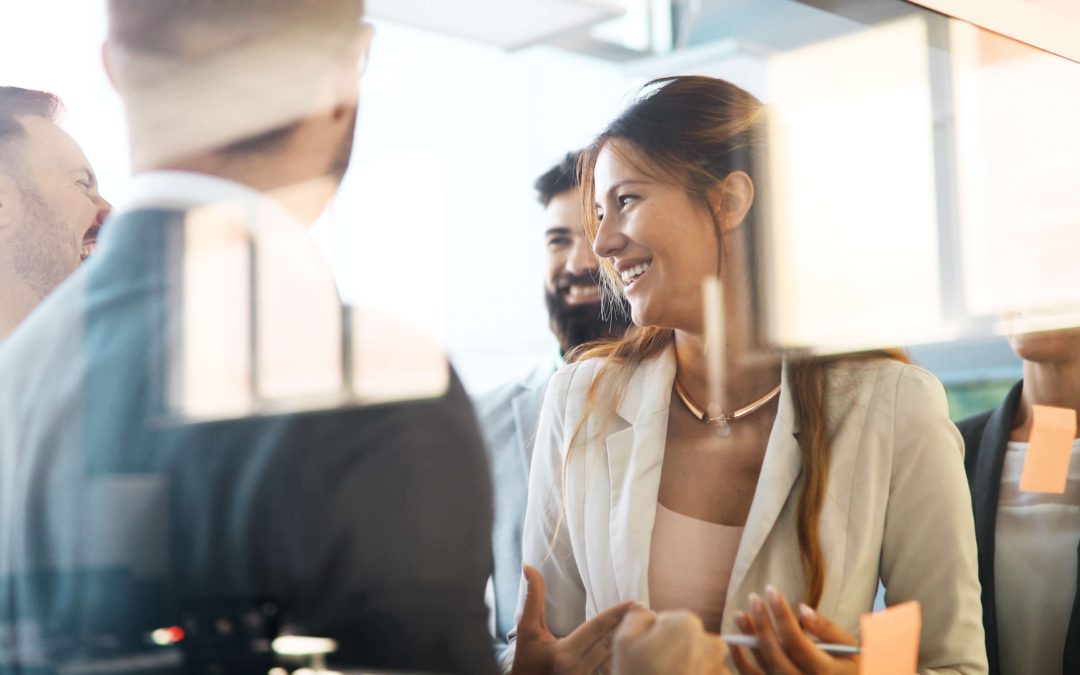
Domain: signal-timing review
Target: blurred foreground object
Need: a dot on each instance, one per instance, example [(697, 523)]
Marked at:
[(138, 492)]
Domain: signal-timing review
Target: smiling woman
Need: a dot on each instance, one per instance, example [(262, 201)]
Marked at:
[(657, 505), (645, 222)]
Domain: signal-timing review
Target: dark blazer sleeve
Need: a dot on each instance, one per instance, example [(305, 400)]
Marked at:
[(971, 430), (389, 511), (416, 536)]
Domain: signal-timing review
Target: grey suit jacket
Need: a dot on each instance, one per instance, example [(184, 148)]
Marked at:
[(508, 417), (369, 525)]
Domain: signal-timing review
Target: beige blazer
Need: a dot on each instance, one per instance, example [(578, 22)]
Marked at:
[(897, 508)]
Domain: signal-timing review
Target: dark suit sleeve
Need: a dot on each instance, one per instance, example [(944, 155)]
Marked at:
[(403, 551), (971, 430)]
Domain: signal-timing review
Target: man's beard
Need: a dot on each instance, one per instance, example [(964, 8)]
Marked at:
[(574, 325), (43, 251)]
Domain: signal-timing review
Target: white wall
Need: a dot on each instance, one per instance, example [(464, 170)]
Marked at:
[(483, 124), (55, 45)]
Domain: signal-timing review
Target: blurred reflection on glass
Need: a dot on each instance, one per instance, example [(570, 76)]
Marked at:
[(852, 225), (920, 185), (1017, 154)]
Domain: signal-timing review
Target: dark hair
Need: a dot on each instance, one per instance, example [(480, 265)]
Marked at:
[(16, 102), (560, 178)]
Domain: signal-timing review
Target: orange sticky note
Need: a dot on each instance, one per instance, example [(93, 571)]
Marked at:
[(890, 640), (1046, 466)]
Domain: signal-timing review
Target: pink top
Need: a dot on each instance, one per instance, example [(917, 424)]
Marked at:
[(690, 565)]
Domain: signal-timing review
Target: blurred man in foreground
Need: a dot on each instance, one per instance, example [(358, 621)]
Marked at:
[(186, 470)]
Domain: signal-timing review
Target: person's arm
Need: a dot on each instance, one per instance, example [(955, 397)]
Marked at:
[(397, 534), (552, 635), (928, 550)]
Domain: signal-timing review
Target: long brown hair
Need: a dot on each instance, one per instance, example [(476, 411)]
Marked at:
[(695, 131)]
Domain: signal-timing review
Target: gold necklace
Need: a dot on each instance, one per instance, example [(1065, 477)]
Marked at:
[(723, 421)]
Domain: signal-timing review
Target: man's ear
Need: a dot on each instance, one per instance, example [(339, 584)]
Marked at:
[(348, 84), (363, 46), (347, 94), (106, 61), (10, 204), (731, 200)]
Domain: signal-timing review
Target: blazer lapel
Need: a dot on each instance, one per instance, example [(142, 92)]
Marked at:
[(635, 455), (985, 490), (779, 471)]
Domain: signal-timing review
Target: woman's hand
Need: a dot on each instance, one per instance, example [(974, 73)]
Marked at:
[(783, 646), (669, 643), (582, 652)]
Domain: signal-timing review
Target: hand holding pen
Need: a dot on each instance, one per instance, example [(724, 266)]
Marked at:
[(786, 644)]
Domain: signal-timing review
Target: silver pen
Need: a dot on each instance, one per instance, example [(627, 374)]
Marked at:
[(751, 642)]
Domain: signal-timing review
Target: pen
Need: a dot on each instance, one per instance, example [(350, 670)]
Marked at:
[(751, 642)]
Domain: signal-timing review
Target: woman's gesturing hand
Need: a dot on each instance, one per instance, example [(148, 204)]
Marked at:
[(784, 644), (582, 652)]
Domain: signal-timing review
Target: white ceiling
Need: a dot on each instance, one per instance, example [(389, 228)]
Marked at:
[(510, 24)]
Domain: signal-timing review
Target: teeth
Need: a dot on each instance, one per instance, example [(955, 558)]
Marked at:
[(634, 272), (88, 249), (577, 290)]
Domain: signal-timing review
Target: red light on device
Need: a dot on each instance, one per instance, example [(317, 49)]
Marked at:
[(167, 636)]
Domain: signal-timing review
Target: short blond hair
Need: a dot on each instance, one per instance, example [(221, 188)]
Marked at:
[(195, 28), (206, 75)]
